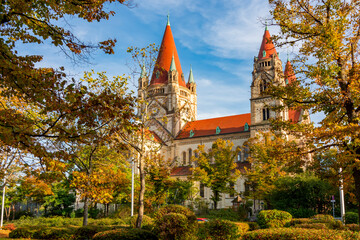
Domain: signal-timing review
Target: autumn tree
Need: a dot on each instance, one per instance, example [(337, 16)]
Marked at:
[(41, 104), (326, 34), (216, 168), (272, 157)]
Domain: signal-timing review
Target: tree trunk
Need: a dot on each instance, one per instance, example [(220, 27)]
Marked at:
[(356, 175), (216, 199), (141, 194), (13, 216), (86, 211)]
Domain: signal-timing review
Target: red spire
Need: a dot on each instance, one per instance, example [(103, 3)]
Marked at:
[(267, 48), (289, 73), (163, 62)]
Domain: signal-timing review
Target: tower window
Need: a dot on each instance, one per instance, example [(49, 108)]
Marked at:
[(266, 113), (202, 190), (184, 158), (190, 155), (263, 86)]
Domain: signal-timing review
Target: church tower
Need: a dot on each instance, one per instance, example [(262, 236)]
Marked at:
[(267, 70), (171, 101)]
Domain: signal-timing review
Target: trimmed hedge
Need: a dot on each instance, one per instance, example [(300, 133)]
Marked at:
[(253, 226), (172, 208), (296, 221), (22, 232), (322, 218), (175, 226), (218, 229), (300, 234), (53, 233), (129, 234), (351, 217), (87, 232), (312, 225), (353, 227), (273, 218)]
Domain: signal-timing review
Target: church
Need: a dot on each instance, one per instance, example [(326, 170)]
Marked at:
[(172, 109)]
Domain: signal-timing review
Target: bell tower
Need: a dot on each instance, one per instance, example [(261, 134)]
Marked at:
[(171, 101), (267, 70)]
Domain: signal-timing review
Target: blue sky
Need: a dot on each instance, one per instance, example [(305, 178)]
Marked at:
[(218, 38)]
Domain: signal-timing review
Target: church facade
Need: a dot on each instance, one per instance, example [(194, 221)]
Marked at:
[(172, 109)]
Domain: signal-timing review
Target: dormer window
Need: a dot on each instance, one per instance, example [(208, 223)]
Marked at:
[(264, 53), (246, 127), (191, 134), (218, 130), (157, 74)]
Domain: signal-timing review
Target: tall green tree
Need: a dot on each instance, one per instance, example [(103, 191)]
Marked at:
[(326, 33), (216, 168)]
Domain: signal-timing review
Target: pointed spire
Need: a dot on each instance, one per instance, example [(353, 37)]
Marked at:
[(191, 77), (168, 19), (267, 48), (172, 65), (167, 54), (143, 72), (289, 73)]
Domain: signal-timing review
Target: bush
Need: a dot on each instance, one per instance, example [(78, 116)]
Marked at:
[(253, 226), (130, 234), (312, 225), (296, 221), (353, 227), (351, 217), (226, 214), (122, 212), (299, 234), (87, 232), (242, 227), (322, 218), (56, 221), (147, 222), (22, 232), (175, 209), (106, 221), (336, 224), (175, 226), (218, 229), (273, 218), (53, 233), (9, 227)]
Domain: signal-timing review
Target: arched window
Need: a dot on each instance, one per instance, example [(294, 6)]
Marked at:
[(238, 155), (263, 86), (246, 152), (190, 155), (266, 113), (184, 158)]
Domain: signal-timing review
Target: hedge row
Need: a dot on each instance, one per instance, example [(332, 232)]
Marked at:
[(300, 234)]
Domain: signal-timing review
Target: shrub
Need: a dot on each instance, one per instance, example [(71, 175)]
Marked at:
[(218, 229), (122, 212), (242, 227), (175, 209), (273, 218), (322, 218), (336, 224), (147, 222), (175, 226), (351, 217), (312, 225), (353, 227), (226, 214), (53, 233), (253, 226), (106, 221), (87, 232), (299, 234), (130, 234), (296, 221), (9, 226), (22, 232)]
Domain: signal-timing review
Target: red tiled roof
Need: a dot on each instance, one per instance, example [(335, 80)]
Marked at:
[(294, 115), (163, 62), (181, 171), (289, 73), (207, 127), (267, 46)]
